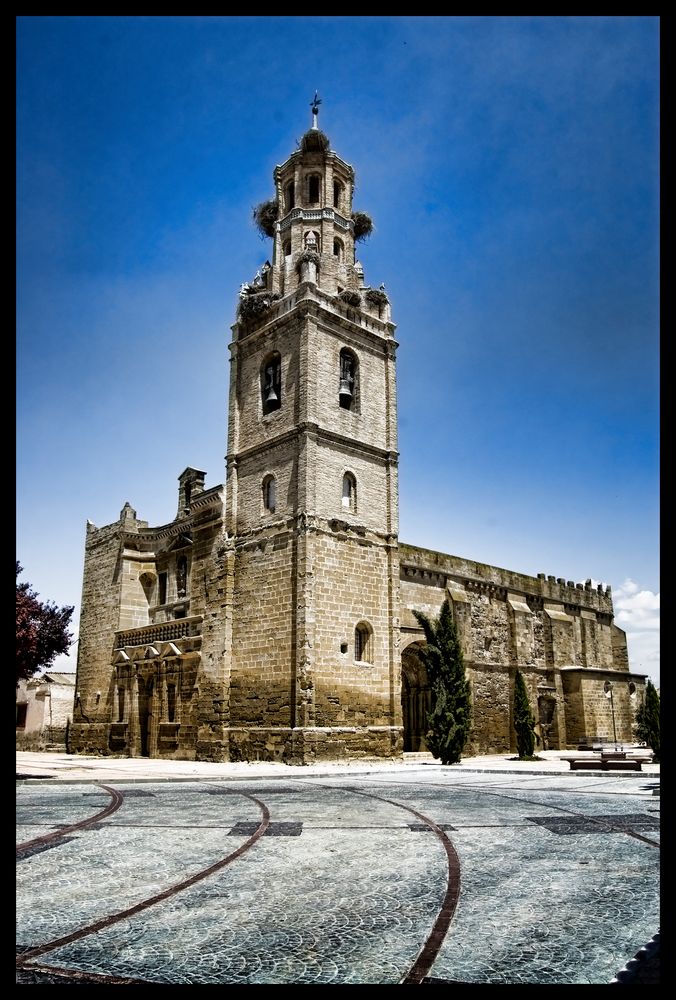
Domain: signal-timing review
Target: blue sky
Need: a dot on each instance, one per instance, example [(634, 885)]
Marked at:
[(511, 167)]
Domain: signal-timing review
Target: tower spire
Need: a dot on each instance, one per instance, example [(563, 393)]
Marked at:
[(314, 104)]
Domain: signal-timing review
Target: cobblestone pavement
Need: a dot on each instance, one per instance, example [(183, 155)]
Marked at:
[(485, 872)]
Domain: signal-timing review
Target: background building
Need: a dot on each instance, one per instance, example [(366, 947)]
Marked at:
[(44, 710)]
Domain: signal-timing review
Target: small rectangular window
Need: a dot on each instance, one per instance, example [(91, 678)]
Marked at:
[(162, 588), (21, 712)]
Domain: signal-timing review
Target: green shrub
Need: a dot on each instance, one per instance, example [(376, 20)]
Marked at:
[(449, 720), (524, 720)]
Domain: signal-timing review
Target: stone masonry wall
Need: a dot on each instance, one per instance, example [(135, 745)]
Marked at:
[(350, 583), (252, 425), (263, 631), (508, 620), (368, 421), (99, 618), (332, 462)]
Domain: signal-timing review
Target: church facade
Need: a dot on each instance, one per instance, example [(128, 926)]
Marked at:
[(272, 619)]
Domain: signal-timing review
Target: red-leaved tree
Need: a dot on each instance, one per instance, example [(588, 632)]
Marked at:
[(41, 630)]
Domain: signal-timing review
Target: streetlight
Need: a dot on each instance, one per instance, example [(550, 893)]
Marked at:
[(608, 691)]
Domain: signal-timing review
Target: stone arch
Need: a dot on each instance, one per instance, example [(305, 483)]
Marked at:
[(269, 490), (338, 193), (547, 722), (349, 492), (271, 382), (348, 380), (313, 188), (416, 698)]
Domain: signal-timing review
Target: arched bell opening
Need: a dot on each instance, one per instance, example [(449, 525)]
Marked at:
[(271, 382)]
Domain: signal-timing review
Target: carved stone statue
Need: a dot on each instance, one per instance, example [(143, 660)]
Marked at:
[(181, 575)]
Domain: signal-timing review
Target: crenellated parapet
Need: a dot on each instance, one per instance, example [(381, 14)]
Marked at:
[(540, 588)]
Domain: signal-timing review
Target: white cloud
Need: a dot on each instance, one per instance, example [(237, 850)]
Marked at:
[(638, 613), (636, 609)]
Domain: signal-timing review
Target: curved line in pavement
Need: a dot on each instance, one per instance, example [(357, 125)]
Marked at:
[(114, 918), (116, 801), (430, 949)]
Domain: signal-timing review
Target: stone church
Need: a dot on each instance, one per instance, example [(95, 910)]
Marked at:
[(272, 619)]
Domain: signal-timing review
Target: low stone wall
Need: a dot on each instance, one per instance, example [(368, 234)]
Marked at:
[(43, 740), (312, 744)]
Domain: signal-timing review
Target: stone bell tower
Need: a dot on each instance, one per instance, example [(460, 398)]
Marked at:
[(311, 488)]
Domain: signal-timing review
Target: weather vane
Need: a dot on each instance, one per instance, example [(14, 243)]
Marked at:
[(314, 104)]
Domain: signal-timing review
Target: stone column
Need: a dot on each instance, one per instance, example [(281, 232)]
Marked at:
[(134, 741)]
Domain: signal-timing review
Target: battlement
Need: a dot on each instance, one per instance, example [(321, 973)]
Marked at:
[(544, 587)]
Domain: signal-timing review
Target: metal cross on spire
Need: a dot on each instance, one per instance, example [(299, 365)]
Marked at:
[(314, 104)]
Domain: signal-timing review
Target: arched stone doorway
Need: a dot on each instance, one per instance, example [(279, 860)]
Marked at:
[(415, 699), (547, 728)]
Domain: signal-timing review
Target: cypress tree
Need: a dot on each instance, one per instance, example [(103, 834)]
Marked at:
[(648, 720), (449, 720), (524, 720)]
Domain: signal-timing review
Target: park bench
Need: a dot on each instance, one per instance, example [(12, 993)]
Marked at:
[(610, 759)]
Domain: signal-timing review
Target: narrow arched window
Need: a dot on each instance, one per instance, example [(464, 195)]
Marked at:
[(338, 249), (290, 196), (337, 194), (313, 189), (363, 643), (287, 248), (269, 494), (349, 492), (271, 382), (348, 383)]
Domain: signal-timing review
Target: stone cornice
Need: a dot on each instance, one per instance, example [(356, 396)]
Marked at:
[(309, 300), (304, 523), (328, 155), (312, 429)]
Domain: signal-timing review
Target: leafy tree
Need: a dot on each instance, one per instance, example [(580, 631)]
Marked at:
[(524, 720), (450, 718), (41, 630), (648, 720)]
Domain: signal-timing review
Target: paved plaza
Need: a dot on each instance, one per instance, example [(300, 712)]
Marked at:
[(490, 871)]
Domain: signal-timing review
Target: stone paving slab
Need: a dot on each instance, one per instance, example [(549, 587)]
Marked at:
[(556, 878)]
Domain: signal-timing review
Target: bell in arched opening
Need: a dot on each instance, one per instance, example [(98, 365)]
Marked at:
[(345, 392), (271, 397), (347, 379)]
